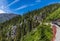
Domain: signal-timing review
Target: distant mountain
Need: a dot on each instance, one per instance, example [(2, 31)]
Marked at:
[(5, 16), (30, 26)]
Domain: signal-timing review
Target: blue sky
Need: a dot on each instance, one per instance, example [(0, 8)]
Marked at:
[(23, 6)]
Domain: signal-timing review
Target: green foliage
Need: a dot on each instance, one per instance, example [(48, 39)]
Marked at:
[(41, 33), (55, 15), (28, 27)]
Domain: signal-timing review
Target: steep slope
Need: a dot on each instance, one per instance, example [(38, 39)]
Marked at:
[(43, 12), (53, 16), (39, 35), (27, 27)]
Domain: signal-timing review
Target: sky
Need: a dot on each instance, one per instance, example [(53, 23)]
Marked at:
[(24, 6)]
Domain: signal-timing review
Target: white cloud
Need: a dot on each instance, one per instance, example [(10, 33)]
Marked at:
[(32, 4), (12, 3), (1, 11), (2, 7), (38, 1), (22, 7)]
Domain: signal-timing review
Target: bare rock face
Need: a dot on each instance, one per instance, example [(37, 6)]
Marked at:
[(57, 22)]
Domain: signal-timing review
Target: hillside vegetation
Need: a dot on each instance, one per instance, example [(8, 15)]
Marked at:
[(30, 26), (55, 15)]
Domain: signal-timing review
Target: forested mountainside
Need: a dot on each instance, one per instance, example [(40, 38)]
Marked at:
[(30, 26), (5, 16)]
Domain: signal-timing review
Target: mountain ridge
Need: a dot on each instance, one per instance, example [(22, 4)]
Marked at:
[(5, 16), (30, 26)]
